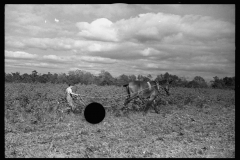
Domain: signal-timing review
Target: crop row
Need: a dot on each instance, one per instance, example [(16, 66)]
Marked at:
[(39, 102)]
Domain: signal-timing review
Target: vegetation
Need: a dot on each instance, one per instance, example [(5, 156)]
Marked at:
[(105, 78), (193, 122)]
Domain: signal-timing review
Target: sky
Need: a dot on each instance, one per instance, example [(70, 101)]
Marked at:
[(183, 40)]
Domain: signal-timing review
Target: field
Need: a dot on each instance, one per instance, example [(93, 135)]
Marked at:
[(192, 123)]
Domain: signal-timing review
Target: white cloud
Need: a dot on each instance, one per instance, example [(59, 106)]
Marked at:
[(167, 28), (70, 59), (174, 39), (56, 20), (210, 59), (152, 26), (10, 60), (112, 11), (19, 54), (60, 44), (100, 29), (54, 57), (97, 59), (42, 65), (77, 58), (146, 52), (149, 52), (152, 65), (165, 41)]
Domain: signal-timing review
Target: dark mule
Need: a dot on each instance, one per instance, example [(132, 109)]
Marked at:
[(143, 90)]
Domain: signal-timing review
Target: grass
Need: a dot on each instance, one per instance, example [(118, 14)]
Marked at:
[(178, 134), (192, 128)]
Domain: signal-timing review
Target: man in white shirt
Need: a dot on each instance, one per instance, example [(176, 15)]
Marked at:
[(69, 97)]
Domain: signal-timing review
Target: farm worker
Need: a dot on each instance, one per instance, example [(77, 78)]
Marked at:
[(69, 96)]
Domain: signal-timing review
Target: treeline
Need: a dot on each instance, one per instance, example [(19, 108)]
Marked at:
[(105, 78)]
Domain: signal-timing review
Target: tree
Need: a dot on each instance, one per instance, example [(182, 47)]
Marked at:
[(105, 78), (149, 76), (8, 77), (217, 83), (193, 84), (175, 81), (166, 75), (226, 82), (132, 77), (43, 78), (200, 81), (182, 82), (62, 78), (162, 77), (79, 74), (26, 78), (87, 78), (72, 78), (229, 82), (159, 77), (145, 79), (34, 75), (16, 77), (122, 79), (140, 77)]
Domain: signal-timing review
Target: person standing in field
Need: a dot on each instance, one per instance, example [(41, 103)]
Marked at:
[(70, 96)]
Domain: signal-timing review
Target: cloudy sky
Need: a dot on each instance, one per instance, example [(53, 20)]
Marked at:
[(184, 40)]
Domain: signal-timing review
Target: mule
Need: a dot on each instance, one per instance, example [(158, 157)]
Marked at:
[(146, 90)]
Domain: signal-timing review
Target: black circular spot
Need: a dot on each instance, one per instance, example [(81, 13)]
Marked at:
[(94, 113)]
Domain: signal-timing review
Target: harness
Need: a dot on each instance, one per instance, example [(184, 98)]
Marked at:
[(149, 85), (158, 87)]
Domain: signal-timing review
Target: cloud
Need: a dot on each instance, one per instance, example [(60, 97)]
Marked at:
[(81, 46), (152, 27), (195, 65), (40, 65), (166, 28), (56, 20), (97, 60), (210, 59), (19, 54), (42, 29), (87, 68), (112, 11), (151, 42), (206, 68), (55, 58), (25, 18), (100, 29), (10, 60), (149, 52), (32, 20), (152, 65), (78, 58), (9, 41)]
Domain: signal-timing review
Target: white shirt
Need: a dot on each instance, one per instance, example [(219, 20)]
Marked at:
[(69, 90)]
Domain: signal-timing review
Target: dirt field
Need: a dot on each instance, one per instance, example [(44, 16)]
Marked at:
[(185, 127)]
